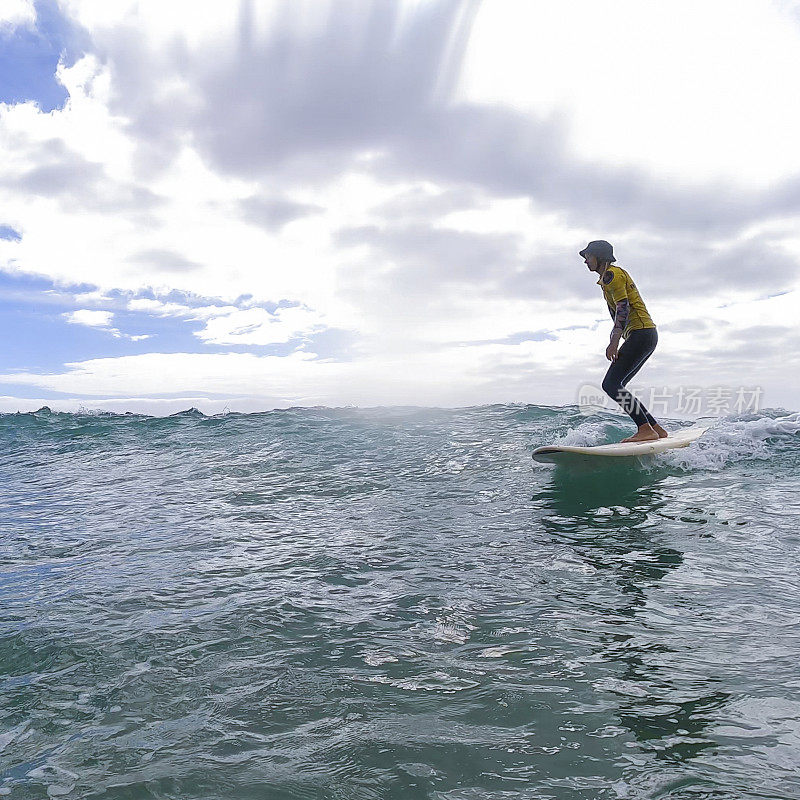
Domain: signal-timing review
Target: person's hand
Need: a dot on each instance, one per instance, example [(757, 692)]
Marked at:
[(611, 350)]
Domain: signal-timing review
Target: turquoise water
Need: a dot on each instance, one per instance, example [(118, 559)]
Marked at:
[(395, 603)]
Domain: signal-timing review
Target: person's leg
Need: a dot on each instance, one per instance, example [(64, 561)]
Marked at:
[(650, 347), (637, 348)]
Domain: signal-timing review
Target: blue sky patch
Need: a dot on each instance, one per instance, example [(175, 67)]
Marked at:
[(517, 338), (29, 58), (9, 234), (33, 315)]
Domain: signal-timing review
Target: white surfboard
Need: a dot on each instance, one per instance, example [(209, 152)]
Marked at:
[(556, 453)]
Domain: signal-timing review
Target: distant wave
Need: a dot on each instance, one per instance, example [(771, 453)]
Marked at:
[(751, 437)]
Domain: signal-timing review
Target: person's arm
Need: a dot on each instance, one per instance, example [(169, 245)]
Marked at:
[(619, 296), (621, 318), (620, 321)]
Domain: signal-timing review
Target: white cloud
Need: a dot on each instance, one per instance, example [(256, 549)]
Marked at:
[(448, 378), (240, 325), (93, 319), (160, 308), (540, 371), (692, 91), (101, 320), (256, 326), (16, 13)]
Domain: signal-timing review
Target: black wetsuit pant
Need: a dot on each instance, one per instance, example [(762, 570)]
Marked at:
[(638, 347)]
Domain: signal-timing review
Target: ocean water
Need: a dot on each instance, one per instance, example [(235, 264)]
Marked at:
[(396, 603)]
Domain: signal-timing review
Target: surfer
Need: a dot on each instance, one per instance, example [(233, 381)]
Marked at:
[(632, 323)]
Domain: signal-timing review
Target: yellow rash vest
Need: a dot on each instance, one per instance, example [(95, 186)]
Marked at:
[(618, 287)]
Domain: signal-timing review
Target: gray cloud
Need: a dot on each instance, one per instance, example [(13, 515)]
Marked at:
[(703, 267), (371, 80), (289, 106), (769, 333), (431, 264), (74, 177), (165, 260), (755, 354), (698, 326), (302, 102), (76, 182), (510, 154), (419, 206), (422, 250), (428, 266), (274, 213)]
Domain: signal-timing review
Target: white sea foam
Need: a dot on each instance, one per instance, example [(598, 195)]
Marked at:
[(728, 440), (734, 439), (591, 432)]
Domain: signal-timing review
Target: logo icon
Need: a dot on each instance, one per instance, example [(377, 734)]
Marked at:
[(592, 399)]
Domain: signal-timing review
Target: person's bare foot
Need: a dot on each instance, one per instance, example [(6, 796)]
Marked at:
[(644, 434), (662, 434)]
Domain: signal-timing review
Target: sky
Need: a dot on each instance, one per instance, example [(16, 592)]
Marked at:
[(381, 202)]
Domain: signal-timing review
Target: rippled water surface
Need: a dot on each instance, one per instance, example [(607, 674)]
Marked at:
[(395, 603)]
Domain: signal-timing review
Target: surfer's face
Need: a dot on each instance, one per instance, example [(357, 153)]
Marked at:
[(591, 262)]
